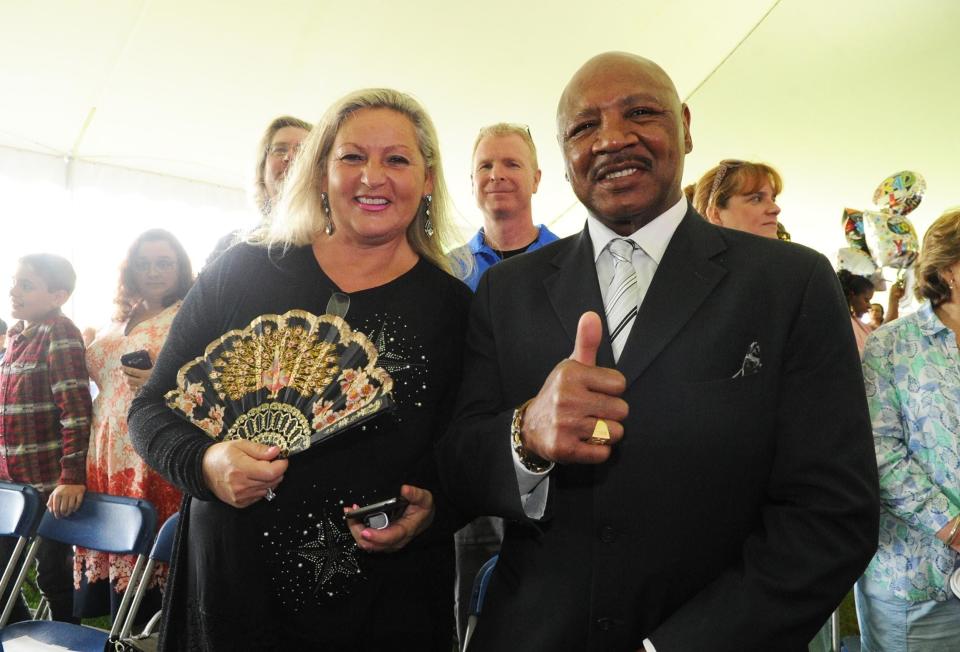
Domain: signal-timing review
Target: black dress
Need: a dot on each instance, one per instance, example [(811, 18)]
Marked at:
[(286, 574)]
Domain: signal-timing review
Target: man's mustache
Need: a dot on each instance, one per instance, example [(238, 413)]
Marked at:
[(620, 162)]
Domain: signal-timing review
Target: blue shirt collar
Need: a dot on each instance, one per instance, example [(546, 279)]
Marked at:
[(930, 325), (479, 245)]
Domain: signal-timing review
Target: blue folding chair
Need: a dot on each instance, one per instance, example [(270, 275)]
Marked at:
[(21, 508), (106, 523), (477, 595), (161, 553)]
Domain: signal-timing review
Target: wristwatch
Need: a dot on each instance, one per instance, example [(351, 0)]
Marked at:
[(530, 461)]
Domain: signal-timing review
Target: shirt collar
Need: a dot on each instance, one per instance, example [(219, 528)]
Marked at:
[(653, 237), (22, 330), (478, 243), (928, 321)]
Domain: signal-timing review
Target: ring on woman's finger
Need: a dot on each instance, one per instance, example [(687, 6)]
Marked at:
[(270, 495), (601, 434)]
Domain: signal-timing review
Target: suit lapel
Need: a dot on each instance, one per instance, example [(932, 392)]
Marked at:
[(685, 277), (573, 290)]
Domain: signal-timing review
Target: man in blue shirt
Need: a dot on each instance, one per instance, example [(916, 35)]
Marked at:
[(505, 175)]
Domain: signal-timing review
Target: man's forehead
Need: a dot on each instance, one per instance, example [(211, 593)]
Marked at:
[(502, 145), (613, 78), (592, 102), (502, 141)]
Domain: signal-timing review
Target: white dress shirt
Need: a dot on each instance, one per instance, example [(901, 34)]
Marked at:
[(652, 239)]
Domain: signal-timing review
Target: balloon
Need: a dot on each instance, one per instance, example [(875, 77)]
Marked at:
[(856, 261), (853, 229), (891, 238), (900, 193)]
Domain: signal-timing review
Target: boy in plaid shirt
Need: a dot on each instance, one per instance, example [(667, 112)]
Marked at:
[(45, 413)]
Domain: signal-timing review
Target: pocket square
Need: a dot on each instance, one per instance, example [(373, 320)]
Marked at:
[(751, 362)]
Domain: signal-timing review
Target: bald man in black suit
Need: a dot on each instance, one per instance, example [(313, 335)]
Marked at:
[(699, 473)]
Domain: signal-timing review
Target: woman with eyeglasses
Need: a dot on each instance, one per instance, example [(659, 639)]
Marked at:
[(155, 275), (276, 151), (740, 195), (265, 558), (906, 600)]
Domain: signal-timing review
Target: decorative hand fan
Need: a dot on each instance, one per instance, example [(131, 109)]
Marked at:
[(290, 380)]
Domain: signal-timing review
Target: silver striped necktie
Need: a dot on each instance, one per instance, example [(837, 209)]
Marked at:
[(623, 295)]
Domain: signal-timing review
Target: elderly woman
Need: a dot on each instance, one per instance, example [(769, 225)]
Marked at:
[(365, 213), (276, 152), (740, 195), (912, 377), (155, 276)]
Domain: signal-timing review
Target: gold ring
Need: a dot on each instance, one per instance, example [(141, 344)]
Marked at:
[(601, 434)]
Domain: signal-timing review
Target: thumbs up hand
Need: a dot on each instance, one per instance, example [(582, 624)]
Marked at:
[(560, 420)]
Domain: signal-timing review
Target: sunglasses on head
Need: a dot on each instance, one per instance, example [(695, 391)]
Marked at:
[(724, 166)]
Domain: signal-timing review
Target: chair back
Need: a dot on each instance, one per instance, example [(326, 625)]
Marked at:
[(111, 524), (21, 507), (161, 553), (480, 584), (163, 546), (106, 523), (477, 595)]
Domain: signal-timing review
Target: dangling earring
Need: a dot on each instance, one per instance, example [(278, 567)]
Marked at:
[(328, 227), (427, 222)]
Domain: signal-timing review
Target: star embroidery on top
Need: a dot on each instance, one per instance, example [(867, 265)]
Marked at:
[(392, 360), (333, 555)]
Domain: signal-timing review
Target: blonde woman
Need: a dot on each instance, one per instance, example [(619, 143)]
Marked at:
[(365, 213), (910, 367)]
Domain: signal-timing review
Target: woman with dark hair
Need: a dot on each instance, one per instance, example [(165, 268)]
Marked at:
[(910, 369), (859, 291), (155, 275)]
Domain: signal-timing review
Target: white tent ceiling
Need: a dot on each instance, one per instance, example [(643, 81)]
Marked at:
[(836, 94)]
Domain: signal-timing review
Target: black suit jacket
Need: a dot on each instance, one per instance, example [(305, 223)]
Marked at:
[(736, 512)]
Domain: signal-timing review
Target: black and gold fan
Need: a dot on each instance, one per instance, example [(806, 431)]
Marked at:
[(289, 380)]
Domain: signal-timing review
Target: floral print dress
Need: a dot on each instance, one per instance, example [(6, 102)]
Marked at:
[(113, 466)]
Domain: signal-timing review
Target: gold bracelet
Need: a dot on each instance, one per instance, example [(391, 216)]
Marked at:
[(954, 531), (530, 461)]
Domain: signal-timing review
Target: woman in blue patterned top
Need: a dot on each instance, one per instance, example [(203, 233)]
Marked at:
[(912, 373)]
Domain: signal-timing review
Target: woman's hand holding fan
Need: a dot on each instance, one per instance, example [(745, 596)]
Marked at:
[(241, 472)]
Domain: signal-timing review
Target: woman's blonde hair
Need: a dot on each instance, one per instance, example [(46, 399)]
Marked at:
[(940, 249), (730, 178), (300, 216)]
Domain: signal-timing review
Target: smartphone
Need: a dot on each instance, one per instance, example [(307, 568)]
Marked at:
[(378, 515), (137, 360)]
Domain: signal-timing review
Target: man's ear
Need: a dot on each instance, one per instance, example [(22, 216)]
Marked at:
[(687, 139), (536, 180)]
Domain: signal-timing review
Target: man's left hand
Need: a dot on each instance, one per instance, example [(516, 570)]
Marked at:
[(415, 519), (66, 499)]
